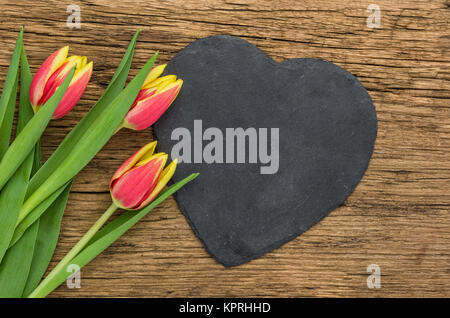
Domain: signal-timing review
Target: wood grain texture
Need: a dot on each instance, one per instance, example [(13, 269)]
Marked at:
[(398, 217)]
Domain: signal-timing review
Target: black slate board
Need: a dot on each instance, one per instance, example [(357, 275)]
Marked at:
[(327, 128)]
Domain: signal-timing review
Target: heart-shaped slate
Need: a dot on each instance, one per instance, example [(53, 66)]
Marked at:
[(326, 125)]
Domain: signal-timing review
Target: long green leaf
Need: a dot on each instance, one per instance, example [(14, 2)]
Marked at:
[(49, 224), (25, 110), (11, 78), (27, 138), (16, 265), (91, 142), (112, 91), (11, 200), (47, 238), (109, 234)]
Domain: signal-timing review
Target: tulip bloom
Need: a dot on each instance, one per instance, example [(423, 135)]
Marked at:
[(140, 178), (50, 76), (154, 98)]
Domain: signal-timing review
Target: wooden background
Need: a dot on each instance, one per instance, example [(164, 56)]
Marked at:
[(398, 217)]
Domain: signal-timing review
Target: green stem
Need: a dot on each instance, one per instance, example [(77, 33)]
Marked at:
[(40, 291)]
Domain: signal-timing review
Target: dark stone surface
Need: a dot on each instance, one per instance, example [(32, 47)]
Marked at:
[(327, 129)]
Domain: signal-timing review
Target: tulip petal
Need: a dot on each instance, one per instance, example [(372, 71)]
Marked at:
[(130, 162), (165, 176), (143, 94), (154, 74), (148, 111), (135, 185), (50, 65), (74, 92)]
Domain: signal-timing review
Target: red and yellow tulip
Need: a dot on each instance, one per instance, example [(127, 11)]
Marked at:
[(50, 76), (140, 178), (155, 96)]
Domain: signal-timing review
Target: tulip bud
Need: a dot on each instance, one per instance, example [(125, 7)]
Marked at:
[(140, 178), (50, 76), (155, 96)]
